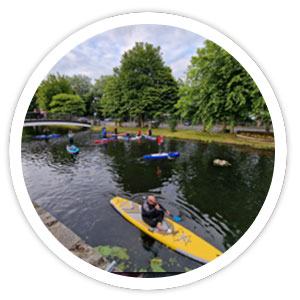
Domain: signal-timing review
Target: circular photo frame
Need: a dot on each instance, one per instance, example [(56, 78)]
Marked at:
[(148, 18)]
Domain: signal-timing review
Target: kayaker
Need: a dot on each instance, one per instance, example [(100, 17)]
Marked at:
[(139, 133), (70, 136), (160, 142), (153, 213), (46, 131)]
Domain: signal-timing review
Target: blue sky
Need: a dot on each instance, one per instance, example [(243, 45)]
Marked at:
[(100, 54)]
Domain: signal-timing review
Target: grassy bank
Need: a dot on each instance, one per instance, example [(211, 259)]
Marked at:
[(196, 135)]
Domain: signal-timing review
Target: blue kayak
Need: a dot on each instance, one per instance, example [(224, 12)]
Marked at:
[(162, 155), (73, 149), (50, 136)]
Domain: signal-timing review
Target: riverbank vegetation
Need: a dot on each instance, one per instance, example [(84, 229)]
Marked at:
[(216, 90)]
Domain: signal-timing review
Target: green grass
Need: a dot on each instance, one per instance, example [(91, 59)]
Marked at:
[(196, 135)]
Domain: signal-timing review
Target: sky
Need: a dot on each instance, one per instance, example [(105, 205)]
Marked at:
[(98, 56)]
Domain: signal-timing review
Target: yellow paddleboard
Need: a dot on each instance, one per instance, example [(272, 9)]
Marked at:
[(178, 238)]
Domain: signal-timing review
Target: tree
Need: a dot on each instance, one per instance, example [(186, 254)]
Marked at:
[(260, 110), (67, 104), (110, 104), (82, 86), (33, 103), (53, 85), (95, 94), (148, 87), (217, 88)]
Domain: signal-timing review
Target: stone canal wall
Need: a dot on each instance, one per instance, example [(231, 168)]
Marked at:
[(72, 241)]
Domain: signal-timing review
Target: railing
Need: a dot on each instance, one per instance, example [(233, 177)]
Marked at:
[(38, 117)]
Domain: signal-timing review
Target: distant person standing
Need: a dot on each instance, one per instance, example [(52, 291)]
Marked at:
[(116, 130), (103, 132), (71, 137), (42, 114), (160, 142), (149, 132), (35, 113)]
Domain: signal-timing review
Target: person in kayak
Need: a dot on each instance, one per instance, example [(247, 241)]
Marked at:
[(139, 133), (70, 136), (46, 131), (153, 213), (160, 142)]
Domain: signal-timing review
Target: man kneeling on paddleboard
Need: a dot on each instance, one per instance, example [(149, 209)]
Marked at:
[(153, 213)]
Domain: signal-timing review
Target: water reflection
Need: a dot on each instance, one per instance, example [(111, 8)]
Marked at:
[(218, 204)]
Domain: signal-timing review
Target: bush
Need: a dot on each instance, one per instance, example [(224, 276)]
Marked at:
[(67, 104), (172, 124)]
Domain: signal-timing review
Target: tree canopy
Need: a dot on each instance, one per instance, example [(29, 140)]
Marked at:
[(148, 89), (218, 89), (53, 85)]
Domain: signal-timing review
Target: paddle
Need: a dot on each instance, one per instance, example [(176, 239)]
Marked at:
[(175, 218)]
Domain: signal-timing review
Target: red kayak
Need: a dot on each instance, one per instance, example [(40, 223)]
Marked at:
[(103, 141)]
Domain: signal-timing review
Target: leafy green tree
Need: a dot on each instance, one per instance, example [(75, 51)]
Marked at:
[(82, 85), (260, 110), (34, 103), (53, 85), (95, 94), (148, 87), (110, 104), (67, 104), (217, 88)]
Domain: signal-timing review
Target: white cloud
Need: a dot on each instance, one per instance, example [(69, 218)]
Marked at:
[(100, 54)]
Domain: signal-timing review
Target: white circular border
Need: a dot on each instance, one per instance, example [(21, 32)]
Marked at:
[(160, 19)]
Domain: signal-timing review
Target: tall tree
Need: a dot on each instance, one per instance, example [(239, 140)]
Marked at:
[(217, 88), (148, 87), (110, 104), (53, 85), (93, 97), (81, 84)]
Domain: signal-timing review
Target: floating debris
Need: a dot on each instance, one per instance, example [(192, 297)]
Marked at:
[(221, 163)]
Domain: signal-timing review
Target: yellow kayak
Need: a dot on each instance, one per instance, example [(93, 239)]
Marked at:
[(173, 235)]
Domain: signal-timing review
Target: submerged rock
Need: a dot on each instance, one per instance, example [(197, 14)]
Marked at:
[(221, 163)]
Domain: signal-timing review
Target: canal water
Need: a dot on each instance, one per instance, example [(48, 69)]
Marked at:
[(218, 204)]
